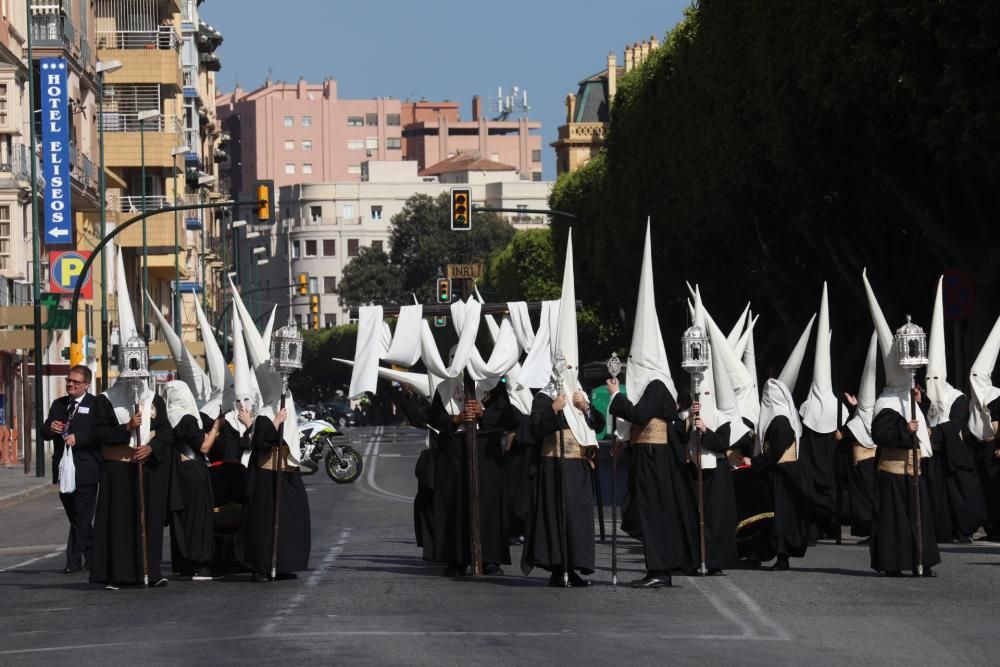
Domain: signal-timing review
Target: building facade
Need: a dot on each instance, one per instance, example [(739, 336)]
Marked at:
[(588, 112)]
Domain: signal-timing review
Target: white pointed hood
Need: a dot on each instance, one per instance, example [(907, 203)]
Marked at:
[(749, 358), (725, 396), (896, 394), (861, 423), (983, 391), (737, 330), (188, 369), (219, 377), (790, 372), (265, 335), (421, 382), (706, 396), (566, 344), (180, 402), (739, 380), (819, 410), (941, 394), (244, 392), (258, 353), (647, 359)]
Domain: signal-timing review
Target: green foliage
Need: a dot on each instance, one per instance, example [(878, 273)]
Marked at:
[(320, 376), (525, 269), (371, 278)]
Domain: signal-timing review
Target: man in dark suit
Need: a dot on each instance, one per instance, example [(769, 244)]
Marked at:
[(70, 425)]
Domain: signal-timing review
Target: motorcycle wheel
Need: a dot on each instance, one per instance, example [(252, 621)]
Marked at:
[(346, 471)]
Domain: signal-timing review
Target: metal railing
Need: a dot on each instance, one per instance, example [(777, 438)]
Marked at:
[(18, 163), (49, 29), (85, 53), (133, 203), (118, 121), (346, 221), (163, 39)]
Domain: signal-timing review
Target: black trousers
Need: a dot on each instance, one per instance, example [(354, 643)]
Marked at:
[(79, 507)]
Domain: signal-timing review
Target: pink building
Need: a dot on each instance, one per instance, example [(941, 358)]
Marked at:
[(302, 133), (433, 132)]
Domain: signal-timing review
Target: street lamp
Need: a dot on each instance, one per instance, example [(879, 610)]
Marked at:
[(103, 68), (143, 116), (180, 150), (204, 182)]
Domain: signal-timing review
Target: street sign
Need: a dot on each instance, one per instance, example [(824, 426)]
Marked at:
[(55, 157), (958, 293), (465, 271), (65, 268)]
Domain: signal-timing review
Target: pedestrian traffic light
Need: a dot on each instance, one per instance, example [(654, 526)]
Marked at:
[(443, 290), (314, 322), (314, 304), (461, 209), (303, 284), (264, 194)]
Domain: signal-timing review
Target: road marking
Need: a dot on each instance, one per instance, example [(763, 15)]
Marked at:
[(747, 631), (372, 460), (755, 610), (32, 560), (32, 549)]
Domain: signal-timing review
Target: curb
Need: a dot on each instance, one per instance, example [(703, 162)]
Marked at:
[(32, 492)]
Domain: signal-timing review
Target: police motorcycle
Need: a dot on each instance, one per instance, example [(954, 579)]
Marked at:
[(319, 441)]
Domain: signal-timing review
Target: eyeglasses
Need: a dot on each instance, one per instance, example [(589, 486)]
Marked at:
[(75, 382)]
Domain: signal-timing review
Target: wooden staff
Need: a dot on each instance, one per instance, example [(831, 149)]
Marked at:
[(599, 494), (614, 502), (142, 507), (918, 528), (277, 467), (472, 454), (702, 569)]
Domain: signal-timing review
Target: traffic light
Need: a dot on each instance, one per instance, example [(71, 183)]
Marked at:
[(264, 194), (461, 209), (314, 304), (303, 284), (443, 290), (314, 322)]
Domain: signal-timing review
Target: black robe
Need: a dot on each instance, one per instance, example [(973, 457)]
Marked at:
[(819, 461), (955, 492), (117, 529), (294, 528), (754, 506), (191, 536), (893, 529), (226, 470), (451, 530), (521, 466), (861, 490), (661, 498), (719, 500), (413, 408), (790, 530), (542, 543), (987, 457)]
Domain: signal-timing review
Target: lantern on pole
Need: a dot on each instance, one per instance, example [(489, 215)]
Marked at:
[(911, 347), (911, 354), (286, 353), (134, 364), (614, 365), (696, 350)]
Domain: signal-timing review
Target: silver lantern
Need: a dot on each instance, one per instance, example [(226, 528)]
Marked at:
[(614, 365), (911, 346), (133, 364), (696, 351), (286, 351)]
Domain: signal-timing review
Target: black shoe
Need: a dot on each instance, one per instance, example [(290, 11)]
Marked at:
[(576, 581), (716, 572), (454, 570), (964, 539), (492, 570), (72, 569), (895, 574), (257, 577), (285, 576), (928, 573), (111, 586), (653, 580), (781, 565), (865, 542), (159, 583), (556, 581)]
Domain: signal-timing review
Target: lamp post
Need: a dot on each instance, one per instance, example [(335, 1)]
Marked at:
[(103, 68), (143, 116), (36, 269), (252, 274), (180, 150), (233, 226), (203, 183), (696, 350)]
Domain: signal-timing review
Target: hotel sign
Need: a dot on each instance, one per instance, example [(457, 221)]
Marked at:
[(55, 152)]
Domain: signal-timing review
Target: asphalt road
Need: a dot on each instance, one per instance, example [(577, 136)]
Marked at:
[(370, 599)]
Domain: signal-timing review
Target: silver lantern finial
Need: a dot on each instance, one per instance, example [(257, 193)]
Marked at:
[(614, 365), (911, 346), (286, 352), (133, 366), (696, 350)]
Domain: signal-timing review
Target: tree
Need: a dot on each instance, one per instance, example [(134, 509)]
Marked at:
[(371, 278), (421, 241), (525, 270), (321, 376)]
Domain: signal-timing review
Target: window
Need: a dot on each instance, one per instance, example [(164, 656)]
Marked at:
[(347, 211), (536, 155), (313, 283), (536, 175), (371, 119), (5, 239), (289, 121), (393, 143), (289, 145), (376, 212), (307, 121), (392, 119), (355, 121), (329, 284), (355, 144), (298, 320), (307, 168), (294, 250), (4, 118), (289, 168), (352, 247), (316, 214), (307, 145), (330, 320), (354, 169), (310, 249), (371, 143), (377, 245), (329, 247)]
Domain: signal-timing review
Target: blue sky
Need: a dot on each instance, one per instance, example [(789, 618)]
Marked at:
[(436, 49)]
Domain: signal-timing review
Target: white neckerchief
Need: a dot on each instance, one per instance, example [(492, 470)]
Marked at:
[(123, 401), (897, 399), (776, 401)]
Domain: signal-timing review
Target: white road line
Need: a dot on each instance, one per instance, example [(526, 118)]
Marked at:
[(32, 560), (747, 631), (32, 549), (372, 461), (755, 610)]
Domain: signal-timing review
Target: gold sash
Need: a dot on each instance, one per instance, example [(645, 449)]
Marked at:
[(653, 432), (735, 457), (791, 454), (896, 461), (572, 448), (267, 462), (119, 453), (861, 453)]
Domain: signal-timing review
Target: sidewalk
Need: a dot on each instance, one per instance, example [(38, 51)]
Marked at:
[(15, 486)]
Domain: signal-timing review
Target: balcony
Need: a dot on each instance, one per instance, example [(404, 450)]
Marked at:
[(162, 39), (83, 169), (18, 165), (52, 30), (348, 221), (123, 141), (159, 230), (147, 57)]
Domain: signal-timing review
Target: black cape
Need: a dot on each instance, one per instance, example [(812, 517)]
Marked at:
[(987, 457), (790, 529), (955, 492), (191, 536), (861, 491), (719, 500)]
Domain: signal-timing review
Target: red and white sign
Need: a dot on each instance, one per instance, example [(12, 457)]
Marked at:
[(65, 267)]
